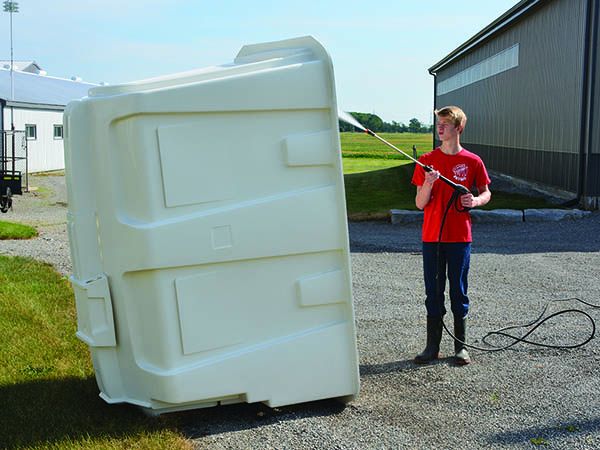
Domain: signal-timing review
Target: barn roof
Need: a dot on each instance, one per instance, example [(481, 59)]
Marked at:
[(22, 66), (39, 89), (517, 12)]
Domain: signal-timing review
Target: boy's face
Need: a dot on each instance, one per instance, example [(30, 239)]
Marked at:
[(446, 129)]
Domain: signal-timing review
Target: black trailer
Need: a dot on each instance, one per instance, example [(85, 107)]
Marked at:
[(12, 145)]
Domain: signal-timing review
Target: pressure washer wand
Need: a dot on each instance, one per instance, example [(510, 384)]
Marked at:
[(457, 187)]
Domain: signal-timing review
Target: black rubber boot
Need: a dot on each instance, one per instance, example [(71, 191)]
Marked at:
[(434, 337), (460, 332)]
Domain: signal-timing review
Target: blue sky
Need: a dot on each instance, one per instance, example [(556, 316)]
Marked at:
[(381, 50)]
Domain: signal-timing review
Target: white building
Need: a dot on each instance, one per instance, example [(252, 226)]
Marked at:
[(36, 106)]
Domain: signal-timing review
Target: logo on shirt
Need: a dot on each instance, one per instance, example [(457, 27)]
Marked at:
[(460, 172)]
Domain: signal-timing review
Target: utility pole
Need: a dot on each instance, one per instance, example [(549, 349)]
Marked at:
[(11, 7)]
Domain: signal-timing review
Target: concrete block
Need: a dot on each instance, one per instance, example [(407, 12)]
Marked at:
[(553, 215), (496, 216), (402, 217)]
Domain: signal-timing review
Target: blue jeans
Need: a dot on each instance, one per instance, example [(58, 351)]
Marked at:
[(455, 258)]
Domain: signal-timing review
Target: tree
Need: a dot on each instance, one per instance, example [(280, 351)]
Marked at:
[(375, 124), (370, 121), (414, 125)]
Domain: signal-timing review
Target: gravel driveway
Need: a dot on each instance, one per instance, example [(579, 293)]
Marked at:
[(502, 400), (44, 207)]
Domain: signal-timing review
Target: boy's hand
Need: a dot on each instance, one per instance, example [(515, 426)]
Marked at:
[(468, 201), (431, 177)]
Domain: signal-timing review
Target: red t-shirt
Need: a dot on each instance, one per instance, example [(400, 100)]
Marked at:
[(464, 168)]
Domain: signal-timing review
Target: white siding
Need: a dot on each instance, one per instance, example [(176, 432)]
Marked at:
[(45, 152)]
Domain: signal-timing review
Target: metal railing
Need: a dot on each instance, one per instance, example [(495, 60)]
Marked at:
[(14, 156)]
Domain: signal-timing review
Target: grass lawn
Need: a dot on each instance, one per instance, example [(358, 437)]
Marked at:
[(371, 194), (377, 178), (360, 165), (47, 386), (361, 145), (10, 230)]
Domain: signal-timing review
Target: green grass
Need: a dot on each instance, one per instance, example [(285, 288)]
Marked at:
[(44, 191), (359, 165), (378, 178), (10, 230), (370, 194), (51, 173), (361, 145), (48, 390)]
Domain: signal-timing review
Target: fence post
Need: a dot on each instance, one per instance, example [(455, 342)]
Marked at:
[(414, 151)]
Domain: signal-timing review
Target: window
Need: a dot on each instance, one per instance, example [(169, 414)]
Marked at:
[(58, 131), (31, 132), (500, 62)]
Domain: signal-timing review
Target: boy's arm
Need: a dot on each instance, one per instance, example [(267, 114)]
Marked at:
[(424, 191)]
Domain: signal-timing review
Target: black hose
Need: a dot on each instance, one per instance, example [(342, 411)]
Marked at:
[(454, 200)]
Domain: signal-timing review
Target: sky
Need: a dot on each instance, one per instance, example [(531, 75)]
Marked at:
[(381, 50)]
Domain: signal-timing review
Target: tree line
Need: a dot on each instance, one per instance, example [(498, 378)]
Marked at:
[(375, 124)]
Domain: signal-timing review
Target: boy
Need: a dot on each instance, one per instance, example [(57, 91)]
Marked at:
[(462, 167)]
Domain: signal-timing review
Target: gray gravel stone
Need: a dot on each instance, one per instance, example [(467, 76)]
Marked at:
[(45, 208), (502, 400)]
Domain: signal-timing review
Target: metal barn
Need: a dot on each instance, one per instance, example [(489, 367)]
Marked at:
[(527, 83), (35, 105)]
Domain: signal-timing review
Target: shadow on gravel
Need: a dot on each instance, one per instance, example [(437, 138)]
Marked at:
[(582, 235), (549, 433), (243, 416), (402, 366)]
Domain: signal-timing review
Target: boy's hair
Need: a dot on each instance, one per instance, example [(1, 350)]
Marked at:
[(455, 114)]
